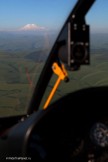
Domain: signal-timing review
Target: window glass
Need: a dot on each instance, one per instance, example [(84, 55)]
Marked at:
[(28, 30)]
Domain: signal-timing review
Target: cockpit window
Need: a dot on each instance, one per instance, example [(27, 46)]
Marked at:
[(28, 30)]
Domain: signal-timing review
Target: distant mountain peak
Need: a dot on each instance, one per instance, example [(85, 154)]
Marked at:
[(31, 27)]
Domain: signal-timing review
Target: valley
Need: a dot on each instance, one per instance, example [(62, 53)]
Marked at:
[(22, 57)]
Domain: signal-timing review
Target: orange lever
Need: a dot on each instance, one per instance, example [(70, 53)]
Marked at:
[(62, 75)]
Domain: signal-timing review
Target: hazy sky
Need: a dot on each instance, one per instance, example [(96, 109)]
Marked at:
[(48, 13)]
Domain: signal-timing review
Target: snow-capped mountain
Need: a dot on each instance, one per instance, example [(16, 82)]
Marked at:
[(31, 27)]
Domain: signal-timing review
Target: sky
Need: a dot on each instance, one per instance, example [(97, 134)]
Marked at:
[(49, 13)]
